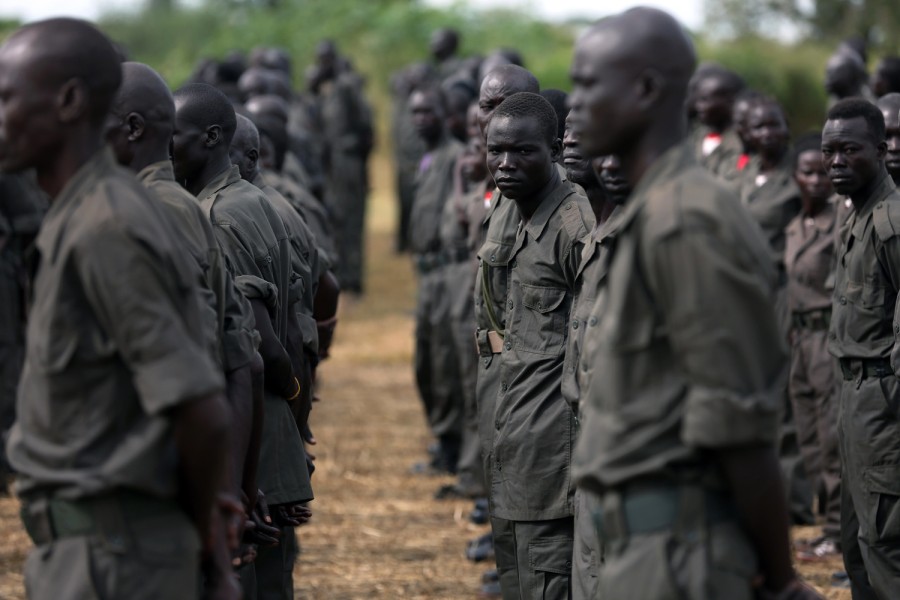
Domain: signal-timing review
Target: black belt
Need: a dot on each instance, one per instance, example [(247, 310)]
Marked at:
[(429, 261), (864, 368), (657, 508), (50, 519), (457, 255), (815, 320)]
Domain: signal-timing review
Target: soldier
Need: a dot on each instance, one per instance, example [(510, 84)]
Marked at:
[(714, 139), (605, 201), (437, 371), (862, 337), (890, 109), (531, 500), (139, 129), (886, 77), (253, 238), (347, 137), (845, 76), (120, 408), (740, 113), (683, 362), (809, 261), (21, 211)]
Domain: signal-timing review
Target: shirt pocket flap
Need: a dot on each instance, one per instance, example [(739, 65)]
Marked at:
[(549, 555), (867, 294), (884, 479), (542, 299), (495, 254)]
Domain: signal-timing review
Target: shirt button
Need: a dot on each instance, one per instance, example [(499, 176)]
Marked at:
[(569, 206), (497, 424), (487, 361), (514, 264), (593, 322), (568, 564), (508, 346), (503, 386), (509, 304), (493, 257), (575, 324), (896, 328), (843, 300)]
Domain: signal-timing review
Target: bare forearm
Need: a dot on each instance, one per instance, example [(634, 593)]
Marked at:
[(279, 373), (240, 400), (754, 476), (251, 458), (201, 429)]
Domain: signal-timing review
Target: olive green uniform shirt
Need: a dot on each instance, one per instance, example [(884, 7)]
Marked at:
[(115, 342), (237, 338), (254, 239), (533, 425), (773, 204), (809, 260), (434, 186), (721, 162), (683, 351), (867, 278), (305, 263)]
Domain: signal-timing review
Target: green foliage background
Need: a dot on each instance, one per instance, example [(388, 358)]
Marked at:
[(380, 36)]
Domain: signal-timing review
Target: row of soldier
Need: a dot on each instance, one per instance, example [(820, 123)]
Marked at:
[(673, 388), (174, 254)]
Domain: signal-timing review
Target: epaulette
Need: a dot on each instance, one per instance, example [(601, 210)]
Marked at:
[(886, 218)]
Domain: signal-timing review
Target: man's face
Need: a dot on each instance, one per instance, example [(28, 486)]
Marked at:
[(602, 114), (519, 157), (493, 92), (245, 155), (768, 131), (739, 115), (713, 102), (841, 76), (612, 179), (474, 167), (189, 149), (879, 81), (811, 176), (852, 158), (426, 115), (578, 168), (892, 138), (29, 126)]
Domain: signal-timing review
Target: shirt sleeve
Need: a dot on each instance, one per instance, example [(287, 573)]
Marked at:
[(239, 337), (148, 317), (719, 313)]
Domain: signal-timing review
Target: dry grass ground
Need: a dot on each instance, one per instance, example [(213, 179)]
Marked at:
[(376, 532)]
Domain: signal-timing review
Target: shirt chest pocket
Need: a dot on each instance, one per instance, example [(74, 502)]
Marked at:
[(540, 324), (869, 295)]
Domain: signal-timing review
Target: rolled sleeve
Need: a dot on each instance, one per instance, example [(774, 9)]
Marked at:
[(149, 317), (719, 308)]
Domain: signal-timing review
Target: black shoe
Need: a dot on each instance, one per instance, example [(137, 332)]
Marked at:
[(490, 576), (481, 549), (490, 590), (480, 515)]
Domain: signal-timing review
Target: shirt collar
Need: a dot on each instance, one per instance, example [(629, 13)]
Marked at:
[(158, 171), (674, 161), (220, 182), (555, 192), (882, 190)]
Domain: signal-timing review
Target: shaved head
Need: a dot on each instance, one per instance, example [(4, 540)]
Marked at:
[(269, 106), (59, 50), (500, 84), (890, 109), (204, 106), (144, 91), (244, 149), (631, 74)]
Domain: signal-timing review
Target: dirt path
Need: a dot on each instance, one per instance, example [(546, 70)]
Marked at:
[(376, 533)]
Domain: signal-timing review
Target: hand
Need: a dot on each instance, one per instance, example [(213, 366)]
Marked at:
[(223, 587), (233, 518), (294, 515), (262, 531), (795, 590)]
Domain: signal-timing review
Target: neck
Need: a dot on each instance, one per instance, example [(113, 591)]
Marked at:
[(812, 206), (862, 195), (212, 169), (770, 162), (75, 152), (528, 206), (895, 176), (147, 154), (656, 142), (600, 204), (432, 142)]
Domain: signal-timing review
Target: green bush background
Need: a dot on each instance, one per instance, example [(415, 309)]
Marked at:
[(380, 36)]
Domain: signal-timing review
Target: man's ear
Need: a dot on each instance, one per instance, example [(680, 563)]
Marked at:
[(214, 136), (71, 101), (556, 150), (136, 126), (253, 157), (648, 89), (881, 149)]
